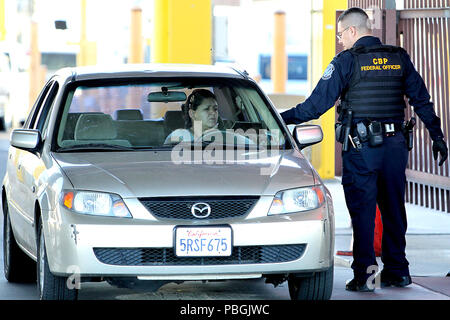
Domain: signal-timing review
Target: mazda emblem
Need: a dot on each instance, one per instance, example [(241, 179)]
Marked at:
[(201, 210)]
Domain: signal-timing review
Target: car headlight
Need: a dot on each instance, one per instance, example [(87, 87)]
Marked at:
[(95, 203), (297, 200)]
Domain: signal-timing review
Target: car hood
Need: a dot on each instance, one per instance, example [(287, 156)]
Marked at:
[(154, 174)]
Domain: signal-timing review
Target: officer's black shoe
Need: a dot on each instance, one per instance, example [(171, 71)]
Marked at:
[(396, 281), (355, 285)]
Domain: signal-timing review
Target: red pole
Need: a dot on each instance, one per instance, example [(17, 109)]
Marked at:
[(378, 234)]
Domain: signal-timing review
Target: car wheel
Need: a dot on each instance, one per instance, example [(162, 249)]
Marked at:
[(317, 287), (50, 287), (17, 266)]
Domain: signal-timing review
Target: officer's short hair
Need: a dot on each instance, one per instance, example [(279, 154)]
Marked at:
[(356, 17)]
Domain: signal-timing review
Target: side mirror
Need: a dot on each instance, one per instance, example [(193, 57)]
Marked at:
[(28, 140), (307, 134)]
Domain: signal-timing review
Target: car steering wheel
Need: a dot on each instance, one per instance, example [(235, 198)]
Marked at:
[(227, 136)]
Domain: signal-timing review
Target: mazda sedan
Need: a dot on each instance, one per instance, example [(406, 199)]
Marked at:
[(149, 174)]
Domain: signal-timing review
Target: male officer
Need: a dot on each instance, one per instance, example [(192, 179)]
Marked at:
[(371, 81)]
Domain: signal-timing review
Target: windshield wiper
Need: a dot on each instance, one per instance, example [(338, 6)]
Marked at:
[(144, 148), (95, 146)]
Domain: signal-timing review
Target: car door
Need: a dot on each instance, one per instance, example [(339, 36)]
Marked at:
[(26, 169)]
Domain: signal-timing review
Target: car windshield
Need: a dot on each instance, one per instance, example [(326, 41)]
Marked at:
[(136, 115)]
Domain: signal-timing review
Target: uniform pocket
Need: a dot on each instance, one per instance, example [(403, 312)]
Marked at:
[(347, 179)]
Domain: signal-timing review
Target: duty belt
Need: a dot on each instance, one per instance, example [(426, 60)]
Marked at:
[(389, 129)]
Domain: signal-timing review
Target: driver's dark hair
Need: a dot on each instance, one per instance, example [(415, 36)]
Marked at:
[(192, 102)]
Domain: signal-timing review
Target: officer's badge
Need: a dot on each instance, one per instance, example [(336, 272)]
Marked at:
[(328, 72)]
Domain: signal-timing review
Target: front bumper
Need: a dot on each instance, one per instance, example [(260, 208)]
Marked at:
[(73, 243)]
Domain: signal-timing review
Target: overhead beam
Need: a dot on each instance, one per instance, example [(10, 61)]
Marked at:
[(424, 13)]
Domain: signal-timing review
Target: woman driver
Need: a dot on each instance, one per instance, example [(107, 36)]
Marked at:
[(200, 113)]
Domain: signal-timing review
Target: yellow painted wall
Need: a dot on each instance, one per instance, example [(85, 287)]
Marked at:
[(182, 31), (88, 49), (323, 50), (160, 37)]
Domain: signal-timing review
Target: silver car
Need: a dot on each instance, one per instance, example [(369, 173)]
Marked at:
[(106, 181)]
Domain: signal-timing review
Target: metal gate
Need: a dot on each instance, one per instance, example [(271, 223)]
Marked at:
[(422, 28)]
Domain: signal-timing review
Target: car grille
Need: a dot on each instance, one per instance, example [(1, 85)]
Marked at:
[(167, 257), (180, 208)]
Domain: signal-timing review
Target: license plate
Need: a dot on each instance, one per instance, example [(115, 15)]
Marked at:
[(203, 241)]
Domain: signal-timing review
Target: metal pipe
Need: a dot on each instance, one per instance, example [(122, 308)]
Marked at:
[(136, 41), (279, 58)]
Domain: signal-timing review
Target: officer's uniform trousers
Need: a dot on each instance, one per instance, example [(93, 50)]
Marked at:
[(371, 176)]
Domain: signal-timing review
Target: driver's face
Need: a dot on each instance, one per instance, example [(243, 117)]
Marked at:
[(207, 112)]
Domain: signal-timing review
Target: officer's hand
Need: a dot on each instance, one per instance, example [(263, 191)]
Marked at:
[(439, 146)]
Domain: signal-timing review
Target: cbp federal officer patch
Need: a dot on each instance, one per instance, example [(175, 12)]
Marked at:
[(328, 72)]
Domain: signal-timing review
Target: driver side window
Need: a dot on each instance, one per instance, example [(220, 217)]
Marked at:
[(44, 114), (35, 110)]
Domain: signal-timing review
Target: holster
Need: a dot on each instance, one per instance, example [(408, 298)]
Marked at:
[(409, 138), (407, 129), (339, 132)]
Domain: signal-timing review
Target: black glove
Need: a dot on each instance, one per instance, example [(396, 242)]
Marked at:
[(439, 146)]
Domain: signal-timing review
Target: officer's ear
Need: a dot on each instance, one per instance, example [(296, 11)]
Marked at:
[(353, 31)]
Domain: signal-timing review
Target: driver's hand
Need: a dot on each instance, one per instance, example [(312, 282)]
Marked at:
[(209, 135)]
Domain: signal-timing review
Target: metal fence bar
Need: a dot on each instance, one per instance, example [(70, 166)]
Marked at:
[(366, 4)]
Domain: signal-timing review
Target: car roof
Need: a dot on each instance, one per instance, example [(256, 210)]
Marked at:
[(150, 70)]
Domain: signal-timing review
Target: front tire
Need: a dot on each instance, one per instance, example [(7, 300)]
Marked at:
[(50, 287), (317, 287), (17, 266)]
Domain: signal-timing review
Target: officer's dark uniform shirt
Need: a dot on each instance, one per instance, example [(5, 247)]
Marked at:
[(336, 79)]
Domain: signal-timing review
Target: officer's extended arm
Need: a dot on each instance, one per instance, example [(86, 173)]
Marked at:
[(324, 95)]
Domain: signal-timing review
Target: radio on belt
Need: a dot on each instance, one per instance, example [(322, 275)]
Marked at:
[(375, 134), (361, 129)]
